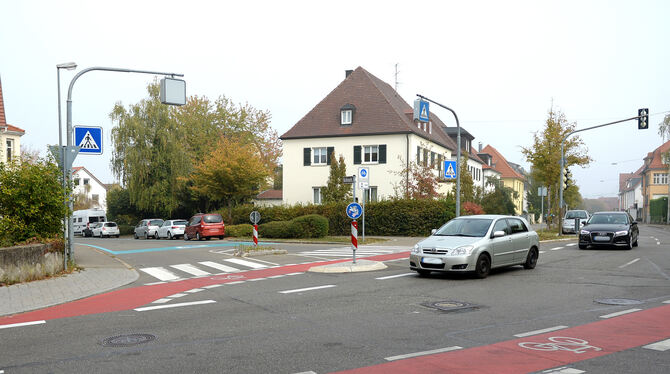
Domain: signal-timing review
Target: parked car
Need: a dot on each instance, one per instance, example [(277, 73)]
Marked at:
[(82, 219), (106, 229), (609, 229), (88, 230), (205, 226), (172, 228), (569, 220), (147, 228), (477, 244)]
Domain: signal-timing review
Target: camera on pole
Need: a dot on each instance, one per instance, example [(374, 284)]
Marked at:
[(643, 119)]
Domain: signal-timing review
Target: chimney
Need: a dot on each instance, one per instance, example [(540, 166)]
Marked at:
[(347, 73), (480, 147)]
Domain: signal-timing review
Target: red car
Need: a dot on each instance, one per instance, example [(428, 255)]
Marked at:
[(205, 226)]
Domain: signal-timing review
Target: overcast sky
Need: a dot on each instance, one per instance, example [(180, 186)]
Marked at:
[(498, 64)]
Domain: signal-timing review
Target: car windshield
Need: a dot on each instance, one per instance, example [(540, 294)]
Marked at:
[(617, 219), (476, 227), (110, 224), (179, 223), (212, 218), (156, 222), (575, 214)]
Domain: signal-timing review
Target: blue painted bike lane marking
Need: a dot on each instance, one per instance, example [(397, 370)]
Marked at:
[(177, 248)]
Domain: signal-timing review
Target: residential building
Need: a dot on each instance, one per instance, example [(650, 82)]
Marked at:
[(85, 183), (475, 164), (509, 177), (489, 173), (630, 194), (10, 136), (369, 124), (268, 198), (654, 173)]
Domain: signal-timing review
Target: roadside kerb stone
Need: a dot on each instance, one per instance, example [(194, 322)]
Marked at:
[(349, 267)]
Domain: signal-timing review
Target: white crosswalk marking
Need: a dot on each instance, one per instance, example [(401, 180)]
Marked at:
[(250, 264), (160, 273), (362, 251), (188, 268), (217, 266)]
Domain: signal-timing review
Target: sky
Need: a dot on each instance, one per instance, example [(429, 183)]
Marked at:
[(500, 65)]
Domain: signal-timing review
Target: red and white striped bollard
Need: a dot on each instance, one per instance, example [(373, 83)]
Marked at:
[(255, 235), (354, 238)]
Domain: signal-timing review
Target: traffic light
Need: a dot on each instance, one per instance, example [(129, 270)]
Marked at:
[(643, 120), (566, 178)]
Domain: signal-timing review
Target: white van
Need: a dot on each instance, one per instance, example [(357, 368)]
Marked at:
[(81, 219)]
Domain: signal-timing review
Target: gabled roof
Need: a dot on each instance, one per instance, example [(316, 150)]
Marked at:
[(623, 180), (654, 160), (77, 169), (4, 126), (378, 110), (270, 195), (500, 163)]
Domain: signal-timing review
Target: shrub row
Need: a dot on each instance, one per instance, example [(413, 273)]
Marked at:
[(388, 218)]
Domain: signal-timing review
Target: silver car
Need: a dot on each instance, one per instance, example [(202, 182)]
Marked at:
[(172, 228), (148, 228), (569, 220), (477, 244)]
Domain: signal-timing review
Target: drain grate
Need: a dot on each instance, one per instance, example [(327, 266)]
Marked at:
[(611, 301), (451, 306), (128, 340)]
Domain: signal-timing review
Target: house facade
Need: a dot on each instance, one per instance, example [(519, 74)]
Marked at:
[(364, 120), (654, 178), (509, 176), (630, 194), (10, 136), (475, 163), (85, 183)]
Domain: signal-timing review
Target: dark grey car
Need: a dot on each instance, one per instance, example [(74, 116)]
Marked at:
[(616, 229)]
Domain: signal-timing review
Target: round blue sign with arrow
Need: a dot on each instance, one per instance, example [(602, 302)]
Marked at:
[(354, 210)]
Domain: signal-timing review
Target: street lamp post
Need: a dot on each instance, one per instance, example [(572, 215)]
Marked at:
[(73, 149), (61, 154)]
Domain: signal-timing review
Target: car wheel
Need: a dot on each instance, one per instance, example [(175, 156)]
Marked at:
[(197, 236), (207, 237), (531, 259), (185, 237), (118, 235), (582, 246), (156, 235), (635, 242), (169, 235), (221, 237), (483, 267), (135, 235), (629, 246), (423, 273)]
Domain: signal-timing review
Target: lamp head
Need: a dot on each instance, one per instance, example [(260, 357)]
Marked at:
[(67, 66)]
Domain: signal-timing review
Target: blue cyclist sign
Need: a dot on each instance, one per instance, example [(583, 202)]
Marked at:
[(354, 210)]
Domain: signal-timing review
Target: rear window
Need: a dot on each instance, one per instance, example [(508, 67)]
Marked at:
[(156, 222), (180, 223), (96, 219), (212, 218), (110, 224)]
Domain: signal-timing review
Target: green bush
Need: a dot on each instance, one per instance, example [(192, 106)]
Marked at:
[(243, 230), (658, 210), (310, 226), (278, 229), (125, 229)]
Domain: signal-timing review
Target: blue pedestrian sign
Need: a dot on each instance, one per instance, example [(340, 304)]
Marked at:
[(89, 138), (421, 110), (450, 170), (354, 210)]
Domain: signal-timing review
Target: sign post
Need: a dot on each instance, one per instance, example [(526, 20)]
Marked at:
[(354, 211), (255, 217), (364, 183)]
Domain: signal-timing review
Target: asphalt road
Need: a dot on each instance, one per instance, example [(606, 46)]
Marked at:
[(278, 318)]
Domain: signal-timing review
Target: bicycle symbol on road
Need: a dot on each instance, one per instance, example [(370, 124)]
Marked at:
[(561, 343)]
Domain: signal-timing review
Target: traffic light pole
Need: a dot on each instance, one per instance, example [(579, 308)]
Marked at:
[(563, 165)]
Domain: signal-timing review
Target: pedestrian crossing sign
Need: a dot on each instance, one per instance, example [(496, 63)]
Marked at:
[(89, 138), (450, 170)]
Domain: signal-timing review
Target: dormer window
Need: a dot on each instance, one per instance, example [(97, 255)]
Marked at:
[(347, 115)]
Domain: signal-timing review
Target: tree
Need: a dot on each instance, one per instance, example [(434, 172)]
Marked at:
[(500, 200), (418, 181), (545, 154), (336, 191), (467, 185), (232, 173)]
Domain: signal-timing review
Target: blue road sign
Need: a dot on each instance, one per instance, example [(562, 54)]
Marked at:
[(89, 138), (354, 210), (450, 169), (424, 113)]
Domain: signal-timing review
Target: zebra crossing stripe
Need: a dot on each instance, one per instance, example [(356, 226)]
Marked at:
[(188, 268), (217, 266), (250, 264), (160, 273)]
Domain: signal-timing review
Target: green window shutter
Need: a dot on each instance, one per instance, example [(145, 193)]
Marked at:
[(307, 159), (382, 153), (357, 155)]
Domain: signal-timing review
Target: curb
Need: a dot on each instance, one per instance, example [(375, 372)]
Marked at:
[(349, 267)]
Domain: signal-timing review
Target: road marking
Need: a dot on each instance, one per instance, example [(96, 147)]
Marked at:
[(160, 273), (195, 290), (564, 370), (257, 279), (400, 357), (250, 264), (22, 324), (571, 244), (298, 273), (395, 276), (666, 302), (629, 263), (659, 346), (217, 266), (302, 372), (161, 301), (277, 276), (213, 286), (541, 252), (154, 283), (307, 289), (188, 268), (238, 282), (555, 249), (268, 262), (621, 313), (173, 305), (536, 332), (177, 295)]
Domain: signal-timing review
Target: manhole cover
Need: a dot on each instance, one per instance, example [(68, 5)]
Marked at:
[(618, 301), (450, 305), (127, 340)]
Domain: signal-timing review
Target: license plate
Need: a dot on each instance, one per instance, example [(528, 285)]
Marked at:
[(601, 238), (431, 260)]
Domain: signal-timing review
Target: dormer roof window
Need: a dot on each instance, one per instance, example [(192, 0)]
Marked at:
[(347, 115)]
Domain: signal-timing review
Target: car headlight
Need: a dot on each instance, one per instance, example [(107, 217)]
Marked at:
[(416, 249), (584, 232), (463, 250), (621, 233)]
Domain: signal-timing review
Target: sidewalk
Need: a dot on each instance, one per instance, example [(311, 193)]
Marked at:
[(101, 273)]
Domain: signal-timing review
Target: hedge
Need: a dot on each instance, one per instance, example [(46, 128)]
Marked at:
[(385, 218), (309, 226), (239, 230)]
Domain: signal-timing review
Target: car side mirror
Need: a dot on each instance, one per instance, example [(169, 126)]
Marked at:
[(498, 234), (433, 231)]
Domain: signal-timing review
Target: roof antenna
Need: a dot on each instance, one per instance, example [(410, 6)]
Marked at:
[(396, 79)]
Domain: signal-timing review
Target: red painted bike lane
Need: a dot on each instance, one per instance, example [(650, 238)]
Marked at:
[(131, 298), (545, 351)]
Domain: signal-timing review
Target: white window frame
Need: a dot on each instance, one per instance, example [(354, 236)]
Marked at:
[(10, 149), (660, 178), (369, 196), (320, 154), (346, 116), (370, 151), (316, 195)]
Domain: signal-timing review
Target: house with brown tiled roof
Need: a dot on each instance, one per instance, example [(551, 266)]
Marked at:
[(630, 193), (369, 124), (10, 136), (86, 184), (509, 176), (475, 163), (654, 173), (269, 198)]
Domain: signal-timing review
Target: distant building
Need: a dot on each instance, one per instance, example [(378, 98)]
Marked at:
[(268, 198), (654, 173), (10, 136), (509, 176), (85, 183), (630, 194)]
